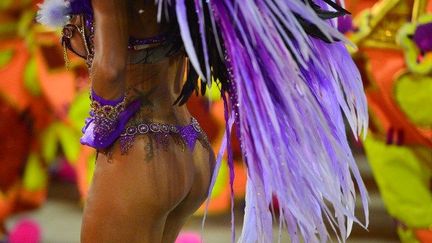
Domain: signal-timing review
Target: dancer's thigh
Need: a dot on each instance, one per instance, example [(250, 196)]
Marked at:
[(132, 194)]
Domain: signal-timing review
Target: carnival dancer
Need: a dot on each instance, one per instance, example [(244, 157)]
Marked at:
[(287, 81)]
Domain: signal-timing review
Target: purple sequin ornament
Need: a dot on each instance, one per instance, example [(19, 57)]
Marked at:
[(107, 121), (189, 134)]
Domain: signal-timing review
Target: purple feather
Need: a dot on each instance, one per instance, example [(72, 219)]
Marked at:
[(290, 107)]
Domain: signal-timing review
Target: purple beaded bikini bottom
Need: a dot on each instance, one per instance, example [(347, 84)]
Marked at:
[(161, 133)]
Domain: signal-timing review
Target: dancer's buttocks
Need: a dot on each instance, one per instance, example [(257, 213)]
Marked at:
[(146, 194), (146, 197)]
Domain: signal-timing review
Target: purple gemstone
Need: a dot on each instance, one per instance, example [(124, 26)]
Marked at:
[(165, 128), (173, 129), (154, 127), (131, 131), (143, 128)]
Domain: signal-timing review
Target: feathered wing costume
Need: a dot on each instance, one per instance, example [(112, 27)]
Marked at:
[(288, 82)]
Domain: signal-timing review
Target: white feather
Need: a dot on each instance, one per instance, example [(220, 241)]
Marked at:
[(54, 13)]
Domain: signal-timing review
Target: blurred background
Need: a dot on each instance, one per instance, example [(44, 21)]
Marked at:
[(45, 173)]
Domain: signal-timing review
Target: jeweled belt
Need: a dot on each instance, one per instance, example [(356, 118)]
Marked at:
[(188, 134)]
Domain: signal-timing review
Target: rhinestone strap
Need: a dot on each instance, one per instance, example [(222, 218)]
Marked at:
[(188, 135), (148, 128), (155, 127)]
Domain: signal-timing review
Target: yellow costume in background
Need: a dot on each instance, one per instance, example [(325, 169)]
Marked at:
[(404, 182), (398, 77)]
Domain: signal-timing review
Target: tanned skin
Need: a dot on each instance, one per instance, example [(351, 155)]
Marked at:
[(149, 193)]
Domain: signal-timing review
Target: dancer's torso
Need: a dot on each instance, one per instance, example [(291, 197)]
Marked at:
[(155, 75), (157, 81)]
